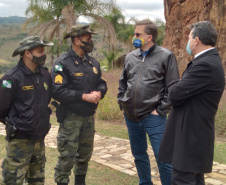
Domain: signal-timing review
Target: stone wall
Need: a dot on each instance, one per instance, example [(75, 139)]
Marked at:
[(180, 14)]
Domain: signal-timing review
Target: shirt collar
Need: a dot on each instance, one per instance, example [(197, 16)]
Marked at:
[(200, 53), (144, 53)]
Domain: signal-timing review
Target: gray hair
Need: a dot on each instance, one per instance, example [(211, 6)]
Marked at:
[(205, 31)]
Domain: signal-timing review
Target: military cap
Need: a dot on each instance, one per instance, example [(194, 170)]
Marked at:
[(29, 43), (79, 30)]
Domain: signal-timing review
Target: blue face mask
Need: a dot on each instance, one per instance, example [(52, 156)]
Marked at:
[(188, 48), (138, 43)]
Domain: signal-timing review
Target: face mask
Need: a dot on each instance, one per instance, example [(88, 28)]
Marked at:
[(88, 46), (138, 43), (39, 61), (189, 51)]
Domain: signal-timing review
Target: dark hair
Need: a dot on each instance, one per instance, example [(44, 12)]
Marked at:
[(72, 39), (150, 28), (205, 31)]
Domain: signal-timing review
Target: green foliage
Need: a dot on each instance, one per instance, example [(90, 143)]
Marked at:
[(111, 56), (117, 19), (161, 30)]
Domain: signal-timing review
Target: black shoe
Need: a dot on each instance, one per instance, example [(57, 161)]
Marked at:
[(80, 179)]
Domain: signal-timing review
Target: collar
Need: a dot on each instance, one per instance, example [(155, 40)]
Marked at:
[(144, 53), (147, 52), (78, 60), (25, 69), (200, 53)]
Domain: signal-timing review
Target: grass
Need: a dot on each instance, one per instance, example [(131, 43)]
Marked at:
[(220, 121), (97, 174), (220, 153)]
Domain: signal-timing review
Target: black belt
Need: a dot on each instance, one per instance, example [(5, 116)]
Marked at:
[(25, 136)]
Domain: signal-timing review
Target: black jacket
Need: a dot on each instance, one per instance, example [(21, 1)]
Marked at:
[(143, 81), (188, 142), (24, 98), (72, 76)]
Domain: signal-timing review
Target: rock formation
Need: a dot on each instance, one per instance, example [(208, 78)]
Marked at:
[(180, 14)]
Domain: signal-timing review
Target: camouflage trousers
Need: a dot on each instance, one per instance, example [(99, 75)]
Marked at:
[(24, 162), (75, 144)]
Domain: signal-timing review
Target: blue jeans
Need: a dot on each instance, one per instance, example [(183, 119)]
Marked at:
[(154, 126)]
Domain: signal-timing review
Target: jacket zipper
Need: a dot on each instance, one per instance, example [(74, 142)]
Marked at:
[(135, 99)]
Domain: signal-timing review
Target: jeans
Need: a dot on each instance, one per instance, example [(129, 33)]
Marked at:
[(154, 126)]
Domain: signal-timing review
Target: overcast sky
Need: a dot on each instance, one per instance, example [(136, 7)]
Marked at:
[(131, 8)]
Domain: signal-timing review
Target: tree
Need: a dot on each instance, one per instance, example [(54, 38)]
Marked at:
[(110, 56), (161, 30), (50, 15)]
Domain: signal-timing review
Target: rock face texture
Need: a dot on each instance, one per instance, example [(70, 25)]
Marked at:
[(180, 14)]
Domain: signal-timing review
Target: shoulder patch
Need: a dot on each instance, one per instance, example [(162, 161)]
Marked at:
[(7, 84), (58, 68), (58, 79)]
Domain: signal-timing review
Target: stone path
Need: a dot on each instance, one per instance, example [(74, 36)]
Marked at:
[(115, 153)]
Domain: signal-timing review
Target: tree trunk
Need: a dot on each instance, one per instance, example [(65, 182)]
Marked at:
[(180, 14)]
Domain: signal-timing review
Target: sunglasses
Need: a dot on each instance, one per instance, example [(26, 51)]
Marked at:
[(138, 34)]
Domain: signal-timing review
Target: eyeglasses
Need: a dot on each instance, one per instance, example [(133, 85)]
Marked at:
[(138, 34)]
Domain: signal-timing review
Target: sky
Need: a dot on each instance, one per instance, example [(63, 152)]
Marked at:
[(140, 9)]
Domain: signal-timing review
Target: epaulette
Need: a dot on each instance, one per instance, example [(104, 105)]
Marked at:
[(43, 67), (93, 59), (65, 55), (12, 71)]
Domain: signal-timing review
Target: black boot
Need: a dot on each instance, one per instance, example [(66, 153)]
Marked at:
[(80, 179), (62, 183)]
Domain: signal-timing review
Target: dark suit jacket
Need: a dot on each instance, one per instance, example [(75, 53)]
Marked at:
[(188, 141)]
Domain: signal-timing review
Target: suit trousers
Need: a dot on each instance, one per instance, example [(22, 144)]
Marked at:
[(187, 178)]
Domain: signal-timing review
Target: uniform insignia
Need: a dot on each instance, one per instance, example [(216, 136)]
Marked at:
[(78, 74), (95, 70), (58, 68), (58, 79), (90, 62), (76, 62), (30, 87), (103, 79), (7, 84), (45, 86)]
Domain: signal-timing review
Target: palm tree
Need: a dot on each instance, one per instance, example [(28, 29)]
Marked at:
[(50, 15)]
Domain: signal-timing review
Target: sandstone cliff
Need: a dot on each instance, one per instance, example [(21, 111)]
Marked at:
[(180, 14)]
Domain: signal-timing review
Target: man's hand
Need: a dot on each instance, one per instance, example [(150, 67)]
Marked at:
[(154, 112), (93, 97), (98, 93)]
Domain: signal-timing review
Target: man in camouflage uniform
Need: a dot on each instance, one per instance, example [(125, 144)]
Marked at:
[(24, 99), (78, 86)]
